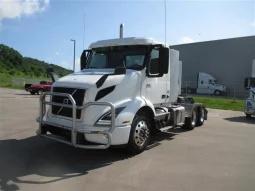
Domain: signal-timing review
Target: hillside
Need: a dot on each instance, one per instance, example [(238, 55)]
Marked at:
[(13, 63)]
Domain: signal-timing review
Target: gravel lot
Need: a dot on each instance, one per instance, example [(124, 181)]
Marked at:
[(215, 157)]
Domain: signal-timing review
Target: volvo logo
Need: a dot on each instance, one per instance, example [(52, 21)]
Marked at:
[(65, 101)]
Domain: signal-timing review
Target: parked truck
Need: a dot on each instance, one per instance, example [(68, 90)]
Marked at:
[(249, 84), (127, 90), (43, 86), (205, 84)]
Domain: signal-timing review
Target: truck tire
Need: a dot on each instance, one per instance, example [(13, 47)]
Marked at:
[(32, 93), (190, 122), (140, 134), (40, 92), (248, 116), (201, 116), (217, 92)]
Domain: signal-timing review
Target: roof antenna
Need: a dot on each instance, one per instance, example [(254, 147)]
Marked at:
[(165, 22), (84, 19)]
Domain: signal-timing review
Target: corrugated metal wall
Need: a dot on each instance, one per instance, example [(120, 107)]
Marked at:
[(228, 60)]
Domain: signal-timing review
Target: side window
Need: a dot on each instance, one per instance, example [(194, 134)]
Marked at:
[(210, 81), (43, 82), (154, 63), (202, 82)]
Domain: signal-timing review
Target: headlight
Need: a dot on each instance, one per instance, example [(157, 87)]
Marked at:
[(249, 105), (105, 120)]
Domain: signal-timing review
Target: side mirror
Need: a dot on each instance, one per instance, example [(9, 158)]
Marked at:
[(159, 65), (120, 70), (84, 59), (247, 82), (164, 60)]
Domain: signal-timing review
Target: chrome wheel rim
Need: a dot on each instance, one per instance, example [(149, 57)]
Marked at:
[(141, 133), (194, 117)]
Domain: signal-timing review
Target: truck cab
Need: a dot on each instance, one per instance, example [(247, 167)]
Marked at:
[(126, 91), (207, 84)]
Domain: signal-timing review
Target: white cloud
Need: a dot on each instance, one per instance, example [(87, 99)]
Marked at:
[(12, 9), (186, 39)]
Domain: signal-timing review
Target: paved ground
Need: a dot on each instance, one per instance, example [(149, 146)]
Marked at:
[(215, 157)]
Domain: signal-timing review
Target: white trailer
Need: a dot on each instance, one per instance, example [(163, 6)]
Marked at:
[(127, 91)]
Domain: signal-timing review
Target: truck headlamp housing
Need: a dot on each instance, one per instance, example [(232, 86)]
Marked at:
[(105, 120)]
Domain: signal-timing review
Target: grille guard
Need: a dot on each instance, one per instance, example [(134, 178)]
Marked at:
[(73, 129)]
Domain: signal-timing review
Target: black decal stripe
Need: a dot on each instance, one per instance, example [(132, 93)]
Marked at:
[(104, 92), (101, 81)]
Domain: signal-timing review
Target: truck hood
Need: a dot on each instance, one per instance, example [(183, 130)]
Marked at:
[(86, 78)]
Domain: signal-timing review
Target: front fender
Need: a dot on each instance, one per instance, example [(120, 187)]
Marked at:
[(126, 116)]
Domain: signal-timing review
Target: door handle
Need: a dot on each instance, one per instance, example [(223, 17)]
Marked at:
[(165, 96)]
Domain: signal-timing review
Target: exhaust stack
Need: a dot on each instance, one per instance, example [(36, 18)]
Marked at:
[(121, 30)]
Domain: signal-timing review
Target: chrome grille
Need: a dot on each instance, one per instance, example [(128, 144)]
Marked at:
[(78, 95)]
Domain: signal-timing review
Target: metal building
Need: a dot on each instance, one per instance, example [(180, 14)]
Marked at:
[(228, 60)]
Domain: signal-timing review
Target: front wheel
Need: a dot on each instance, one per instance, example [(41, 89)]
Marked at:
[(248, 116), (140, 134), (217, 92)]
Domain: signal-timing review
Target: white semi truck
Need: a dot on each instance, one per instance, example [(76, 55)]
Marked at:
[(126, 91), (206, 84), (249, 84)]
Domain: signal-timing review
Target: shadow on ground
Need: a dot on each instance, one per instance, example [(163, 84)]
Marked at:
[(241, 119), (26, 94), (55, 161)]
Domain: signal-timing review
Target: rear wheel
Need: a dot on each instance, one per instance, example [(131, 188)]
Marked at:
[(201, 116), (40, 92), (190, 122), (140, 134), (32, 93)]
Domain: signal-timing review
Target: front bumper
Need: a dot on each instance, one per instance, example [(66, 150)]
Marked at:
[(74, 130)]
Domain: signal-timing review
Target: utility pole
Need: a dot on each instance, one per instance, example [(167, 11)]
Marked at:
[(73, 55), (84, 20)]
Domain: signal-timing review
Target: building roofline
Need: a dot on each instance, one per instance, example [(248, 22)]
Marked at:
[(225, 39)]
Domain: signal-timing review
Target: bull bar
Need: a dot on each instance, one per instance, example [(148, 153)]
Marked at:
[(73, 129)]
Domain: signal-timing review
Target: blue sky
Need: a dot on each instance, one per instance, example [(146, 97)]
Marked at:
[(43, 29)]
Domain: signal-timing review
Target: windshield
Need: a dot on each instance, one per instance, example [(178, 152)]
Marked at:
[(132, 57)]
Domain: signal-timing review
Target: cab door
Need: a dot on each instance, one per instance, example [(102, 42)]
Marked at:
[(154, 89)]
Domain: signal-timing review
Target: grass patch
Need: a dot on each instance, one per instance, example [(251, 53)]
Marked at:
[(221, 103), (6, 81)]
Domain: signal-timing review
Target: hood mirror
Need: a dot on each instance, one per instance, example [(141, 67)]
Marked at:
[(53, 75), (84, 59)]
